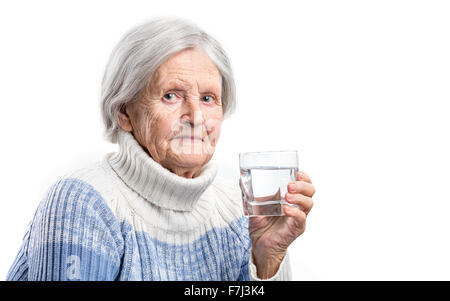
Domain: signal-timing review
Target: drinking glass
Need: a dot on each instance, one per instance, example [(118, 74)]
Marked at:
[(264, 179)]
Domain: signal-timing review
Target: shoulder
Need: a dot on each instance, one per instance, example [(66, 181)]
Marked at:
[(70, 192), (100, 179), (97, 175), (73, 210), (81, 189), (74, 221), (72, 198)]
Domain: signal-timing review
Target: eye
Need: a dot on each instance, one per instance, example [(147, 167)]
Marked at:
[(171, 97), (207, 99)]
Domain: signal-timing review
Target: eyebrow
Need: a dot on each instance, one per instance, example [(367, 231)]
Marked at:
[(174, 85), (181, 86), (212, 89)]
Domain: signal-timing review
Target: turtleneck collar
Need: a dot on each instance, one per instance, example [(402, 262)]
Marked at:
[(155, 183)]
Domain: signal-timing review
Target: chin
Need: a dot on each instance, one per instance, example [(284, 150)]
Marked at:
[(191, 160)]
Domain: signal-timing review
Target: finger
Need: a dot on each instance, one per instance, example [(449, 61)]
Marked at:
[(299, 217), (303, 176), (305, 203), (302, 187)]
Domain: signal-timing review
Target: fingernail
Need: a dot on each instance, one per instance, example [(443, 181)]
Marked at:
[(291, 187)]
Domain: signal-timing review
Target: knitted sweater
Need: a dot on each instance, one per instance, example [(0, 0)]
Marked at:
[(129, 218)]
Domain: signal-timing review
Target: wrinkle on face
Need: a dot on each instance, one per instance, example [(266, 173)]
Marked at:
[(155, 122)]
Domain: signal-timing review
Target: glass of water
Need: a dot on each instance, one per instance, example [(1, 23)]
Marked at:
[(264, 179)]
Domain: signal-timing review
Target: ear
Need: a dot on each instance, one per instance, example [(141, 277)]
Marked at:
[(124, 119)]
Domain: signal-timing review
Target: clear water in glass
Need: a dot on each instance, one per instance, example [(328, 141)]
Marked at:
[(263, 189)]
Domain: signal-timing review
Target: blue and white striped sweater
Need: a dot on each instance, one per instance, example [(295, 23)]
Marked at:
[(127, 218), (73, 225)]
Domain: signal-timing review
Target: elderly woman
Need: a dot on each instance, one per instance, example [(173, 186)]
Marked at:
[(155, 209)]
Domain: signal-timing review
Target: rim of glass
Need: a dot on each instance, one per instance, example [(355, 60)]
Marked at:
[(264, 152)]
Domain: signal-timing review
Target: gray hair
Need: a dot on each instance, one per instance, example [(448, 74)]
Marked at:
[(139, 54)]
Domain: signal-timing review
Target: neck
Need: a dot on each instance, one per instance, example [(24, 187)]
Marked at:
[(188, 172), (179, 189)]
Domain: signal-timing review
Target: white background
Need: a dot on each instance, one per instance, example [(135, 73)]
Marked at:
[(360, 88)]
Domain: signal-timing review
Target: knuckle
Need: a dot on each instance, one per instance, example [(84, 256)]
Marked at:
[(308, 203), (301, 216), (300, 220), (313, 189), (300, 186)]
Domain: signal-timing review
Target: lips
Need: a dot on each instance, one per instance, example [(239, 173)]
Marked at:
[(189, 137)]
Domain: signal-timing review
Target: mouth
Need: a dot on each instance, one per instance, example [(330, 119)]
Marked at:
[(192, 138)]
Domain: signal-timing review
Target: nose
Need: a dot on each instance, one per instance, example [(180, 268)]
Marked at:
[(192, 113)]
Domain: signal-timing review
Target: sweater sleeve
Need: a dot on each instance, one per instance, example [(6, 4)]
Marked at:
[(73, 236)]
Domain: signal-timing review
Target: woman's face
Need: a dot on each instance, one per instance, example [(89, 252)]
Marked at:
[(177, 118)]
